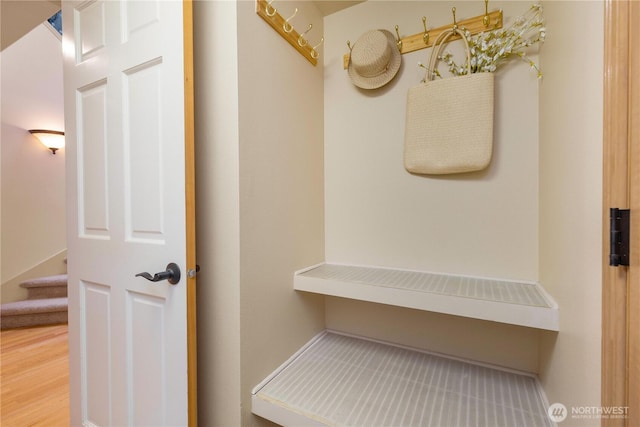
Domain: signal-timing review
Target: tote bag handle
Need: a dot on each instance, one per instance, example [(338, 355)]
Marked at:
[(437, 48)]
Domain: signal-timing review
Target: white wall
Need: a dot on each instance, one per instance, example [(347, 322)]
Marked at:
[(571, 200), (33, 190), (481, 224)]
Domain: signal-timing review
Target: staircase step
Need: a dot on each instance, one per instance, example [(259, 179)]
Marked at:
[(33, 312), (46, 287)]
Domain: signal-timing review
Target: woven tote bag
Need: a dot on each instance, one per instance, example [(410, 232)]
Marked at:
[(449, 121)]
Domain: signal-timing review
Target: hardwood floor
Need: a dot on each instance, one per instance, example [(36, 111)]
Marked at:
[(34, 377)]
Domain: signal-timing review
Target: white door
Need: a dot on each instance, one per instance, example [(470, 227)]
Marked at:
[(125, 95)]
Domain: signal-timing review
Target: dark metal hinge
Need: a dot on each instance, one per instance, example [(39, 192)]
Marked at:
[(619, 240)]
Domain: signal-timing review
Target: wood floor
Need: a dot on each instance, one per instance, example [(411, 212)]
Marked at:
[(34, 375)]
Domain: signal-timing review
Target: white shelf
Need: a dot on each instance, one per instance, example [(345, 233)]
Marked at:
[(517, 303), (348, 381)]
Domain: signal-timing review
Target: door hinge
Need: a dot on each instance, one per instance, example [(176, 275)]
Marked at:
[(619, 236)]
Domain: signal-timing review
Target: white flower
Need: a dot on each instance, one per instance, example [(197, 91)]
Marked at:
[(493, 48)]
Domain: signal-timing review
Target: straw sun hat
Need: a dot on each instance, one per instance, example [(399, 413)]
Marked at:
[(374, 59)]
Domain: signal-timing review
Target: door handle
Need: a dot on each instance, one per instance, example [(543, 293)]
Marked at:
[(172, 274)]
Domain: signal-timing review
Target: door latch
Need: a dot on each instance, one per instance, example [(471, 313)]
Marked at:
[(619, 236), (191, 273)]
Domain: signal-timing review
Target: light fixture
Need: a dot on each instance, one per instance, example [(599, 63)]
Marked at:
[(52, 139)]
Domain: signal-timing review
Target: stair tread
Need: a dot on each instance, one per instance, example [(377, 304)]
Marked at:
[(45, 305), (47, 281)]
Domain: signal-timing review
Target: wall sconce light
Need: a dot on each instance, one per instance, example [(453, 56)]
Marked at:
[(52, 139)]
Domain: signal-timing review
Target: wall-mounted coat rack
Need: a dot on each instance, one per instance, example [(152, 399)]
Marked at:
[(477, 24), (284, 27)]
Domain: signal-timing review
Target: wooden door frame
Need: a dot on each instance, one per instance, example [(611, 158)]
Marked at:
[(621, 103), (190, 208)]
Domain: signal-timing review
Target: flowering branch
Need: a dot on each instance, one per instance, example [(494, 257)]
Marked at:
[(493, 48)]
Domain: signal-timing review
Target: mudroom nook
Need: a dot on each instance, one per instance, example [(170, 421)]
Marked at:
[(461, 247), (304, 167)]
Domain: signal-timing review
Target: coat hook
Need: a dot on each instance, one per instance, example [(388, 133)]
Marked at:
[(455, 24), (314, 52), (425, 37), (266, 9), (286, 26), (486, 20), (301, 40), (399, 42)]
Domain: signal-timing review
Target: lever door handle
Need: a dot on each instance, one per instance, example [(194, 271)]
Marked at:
[(172, 274)]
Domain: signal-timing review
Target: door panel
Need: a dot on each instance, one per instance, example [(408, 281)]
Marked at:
[(136, 16), (92, 149), (125, 128), (143, 152), (90, 21), (147, 379), (95, 353)]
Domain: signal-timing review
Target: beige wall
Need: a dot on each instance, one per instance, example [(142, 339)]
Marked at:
[(571, 200), (217, 212), (33, 187), (281, 191), (260, 201), (483, 224), (11, 289)]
